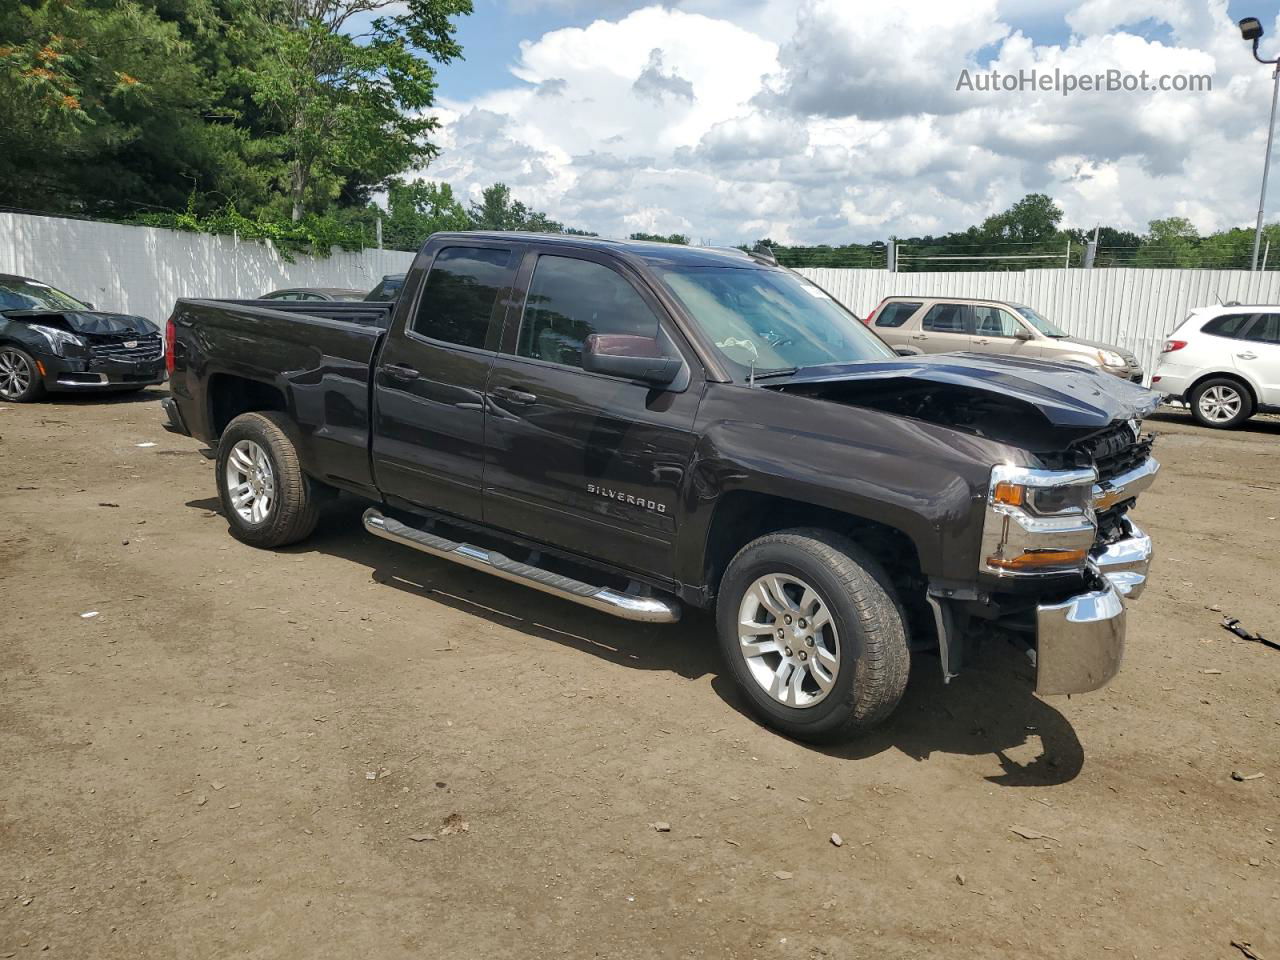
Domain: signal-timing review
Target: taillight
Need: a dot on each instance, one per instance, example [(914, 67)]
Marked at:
[(872, 315), (170, 338), (1172, 345)]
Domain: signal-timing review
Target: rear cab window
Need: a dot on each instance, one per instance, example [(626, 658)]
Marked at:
[(460, 295), (897, 313)]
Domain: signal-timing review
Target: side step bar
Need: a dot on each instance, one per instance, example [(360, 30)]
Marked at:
[(624, 605)]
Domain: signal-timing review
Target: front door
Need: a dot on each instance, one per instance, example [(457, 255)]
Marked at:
[(428, 438), (996, 330), (590, 463)]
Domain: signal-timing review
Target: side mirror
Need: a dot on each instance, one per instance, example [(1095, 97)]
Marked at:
[(905, 352), (1021, 334), (87, 304), (635, 358)]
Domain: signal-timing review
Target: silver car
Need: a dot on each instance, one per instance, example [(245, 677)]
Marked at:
[(955, 325)]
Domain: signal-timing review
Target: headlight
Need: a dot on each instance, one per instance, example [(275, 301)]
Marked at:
[(58, 339), (1038, 521), (1109, 358)]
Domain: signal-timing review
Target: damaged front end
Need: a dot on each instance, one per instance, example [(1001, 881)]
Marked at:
[(1059, 555)]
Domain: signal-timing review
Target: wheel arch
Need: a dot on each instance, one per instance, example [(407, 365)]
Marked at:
[(229, 395), (1235, 375), (741, 516)]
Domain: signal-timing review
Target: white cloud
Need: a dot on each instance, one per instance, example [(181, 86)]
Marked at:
[(834, 120)]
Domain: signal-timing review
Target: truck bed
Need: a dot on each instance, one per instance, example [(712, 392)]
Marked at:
[(316, 357)]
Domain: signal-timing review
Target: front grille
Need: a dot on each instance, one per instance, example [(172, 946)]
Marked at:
[(1114, 451), (146, 347)]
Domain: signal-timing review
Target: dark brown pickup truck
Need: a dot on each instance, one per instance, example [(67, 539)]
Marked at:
[(636, 427)]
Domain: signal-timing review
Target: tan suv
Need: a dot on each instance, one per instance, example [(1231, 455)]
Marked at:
[(952, 325)]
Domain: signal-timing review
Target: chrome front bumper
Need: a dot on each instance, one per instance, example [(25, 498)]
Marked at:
[(1080, 641)]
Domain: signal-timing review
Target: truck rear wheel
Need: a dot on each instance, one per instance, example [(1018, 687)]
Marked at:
[(811, 630), (266, 498)]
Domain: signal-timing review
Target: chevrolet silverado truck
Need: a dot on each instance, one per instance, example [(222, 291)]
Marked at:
[(639, 427)]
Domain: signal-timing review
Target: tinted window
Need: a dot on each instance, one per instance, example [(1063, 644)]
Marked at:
[(571, 299), (1265, 328), (896, 314), (1229, 325), (458, 297), (994, 322), (945, 318)]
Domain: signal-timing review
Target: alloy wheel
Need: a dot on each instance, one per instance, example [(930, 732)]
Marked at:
[(788, 640), (251, 483), (15, 374), (1220, 403)]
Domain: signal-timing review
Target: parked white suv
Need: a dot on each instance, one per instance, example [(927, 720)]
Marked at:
[(1224, 362)]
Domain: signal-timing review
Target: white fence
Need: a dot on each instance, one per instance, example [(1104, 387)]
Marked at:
[(143, 270), (1131, 308)]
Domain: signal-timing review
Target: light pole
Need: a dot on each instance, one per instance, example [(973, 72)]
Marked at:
[(1251, 29)]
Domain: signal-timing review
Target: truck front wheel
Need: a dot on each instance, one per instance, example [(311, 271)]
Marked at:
[(266, 498), (811, 630)]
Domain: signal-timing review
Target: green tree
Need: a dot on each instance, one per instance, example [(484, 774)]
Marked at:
[(1172, 242), (659, 238), (101, 106), (350, 110), (1033, 219), (418, 209), (497, 209)]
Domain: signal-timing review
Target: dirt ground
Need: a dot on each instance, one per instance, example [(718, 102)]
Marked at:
[(234, 757)]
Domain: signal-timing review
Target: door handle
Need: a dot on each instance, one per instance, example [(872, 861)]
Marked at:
[(512, 395), (1247, 356), (982, 341), (400, 371), (919, 336)]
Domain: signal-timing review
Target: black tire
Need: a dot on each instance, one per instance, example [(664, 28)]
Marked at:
[(295, 507), (34, 389), (873, 658), (1225, 386)]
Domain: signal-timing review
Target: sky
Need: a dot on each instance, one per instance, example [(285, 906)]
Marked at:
[(835, 121)]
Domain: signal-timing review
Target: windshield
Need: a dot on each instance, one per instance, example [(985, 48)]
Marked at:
[(1040, 323), (771, 319), (17, 294)]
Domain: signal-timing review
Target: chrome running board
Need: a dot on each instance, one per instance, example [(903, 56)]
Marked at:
[(625, 605)]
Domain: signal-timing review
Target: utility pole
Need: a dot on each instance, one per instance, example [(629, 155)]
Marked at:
[(1091, 250), (1251, 29)]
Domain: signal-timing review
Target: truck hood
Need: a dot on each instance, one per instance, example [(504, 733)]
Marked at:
[(1065, 394), (85, 321)]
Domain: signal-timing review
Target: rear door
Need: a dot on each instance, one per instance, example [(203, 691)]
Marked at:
[(590, 463), (1258, 355), (429, 417), (946, 327), (890, 321), (995, 330)]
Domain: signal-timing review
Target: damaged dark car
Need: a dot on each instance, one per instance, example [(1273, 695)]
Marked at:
[(639, 427), (51, 342)]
